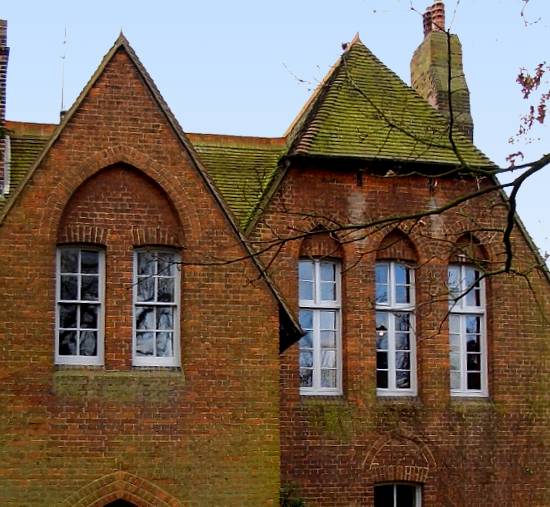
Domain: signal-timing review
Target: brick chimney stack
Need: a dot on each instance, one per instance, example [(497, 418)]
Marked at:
[(4, 54), (430, 67)]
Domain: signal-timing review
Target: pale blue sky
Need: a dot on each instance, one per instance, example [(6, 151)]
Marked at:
[(246, 67)]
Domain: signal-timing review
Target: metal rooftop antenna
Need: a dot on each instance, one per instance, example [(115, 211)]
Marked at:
[(63, 57)]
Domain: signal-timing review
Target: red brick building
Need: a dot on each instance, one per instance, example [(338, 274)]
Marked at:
[(149, 357)]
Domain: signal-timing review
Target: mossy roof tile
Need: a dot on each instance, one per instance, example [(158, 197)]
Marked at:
[(363, 110)]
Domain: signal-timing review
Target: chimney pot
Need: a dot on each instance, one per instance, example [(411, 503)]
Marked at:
[(434, 18)]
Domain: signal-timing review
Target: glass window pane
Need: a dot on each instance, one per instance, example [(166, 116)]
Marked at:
[(453, 281), (402, 274), (67, 316), (381, 294), (89, 261), (166, 264), (455, 380), (328, 378), (145, 344), (164, 345), (165, 318), (67, 343), (146, 263), (306, 290), (305, 270), (402, 321), (402, 341), (145, 317), (454, 324), (89, 288), (306, 319), (474, 362), (69, 260), (165, 290), (146, 289), (402, 294), (306, 359), (306, 342), (69, 287), (306, 378), (472, 343), (474, 381), (328, 272), (402, 361), (88, 316), (383, 495), (328, 359), (382, 360), (382, 379), (328, 291), (454, 360), (88, 343), (403, 379), (405, 495), (328, 339), (382, 282), (381, 338), (328, 320), (473, 324)]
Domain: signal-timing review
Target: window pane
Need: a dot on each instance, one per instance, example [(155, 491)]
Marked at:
[(382, 360), (402, 361), (383, 496), (306, 378), (67, 316), (403, 380), (328, 359), (455, 380), (405, 495), (472, 343), (164, 345), (165, 318), (382, 379), (89, 261), (455, 361), (165, 290), (166, 264), (306, 359), (328, 291), (402, 321), (306, 341), (88, 316), (88, 343), (454, 324), (89, 288), (305, 270), (306, 319), (145, 317), (328, 320), (474, 362), (306, 290), (69, 287), (328, 378), (146, 263), (382, 281), (67, 343), (473, 324), (474, 381), (402, 294), (144, 344), (453, 281), (454, 341), (328, 272), (328, 339), (146, 289), (402, 275), (69, 260), (381, 330), (402, 341)]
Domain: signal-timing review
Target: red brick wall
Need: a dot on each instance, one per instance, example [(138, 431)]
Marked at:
[(204, 434), (490, 451)]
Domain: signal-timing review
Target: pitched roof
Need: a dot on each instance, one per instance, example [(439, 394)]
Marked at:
[(363, 110), (242, 168)]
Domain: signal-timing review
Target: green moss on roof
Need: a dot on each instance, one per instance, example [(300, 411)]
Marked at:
[(241, 168), (363, 110)]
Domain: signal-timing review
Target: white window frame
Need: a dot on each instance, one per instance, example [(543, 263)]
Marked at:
[(459, 308), (317, 305), (391, 307), (152, 361), (417, 487), (98, 359)]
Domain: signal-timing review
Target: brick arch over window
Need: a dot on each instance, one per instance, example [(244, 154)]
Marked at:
[(120, 203), (121, 486), (396, 245), (320, 244), (469, 249), (397, 457)]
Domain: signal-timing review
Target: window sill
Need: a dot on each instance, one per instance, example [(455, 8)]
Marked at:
[(125, 386)]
